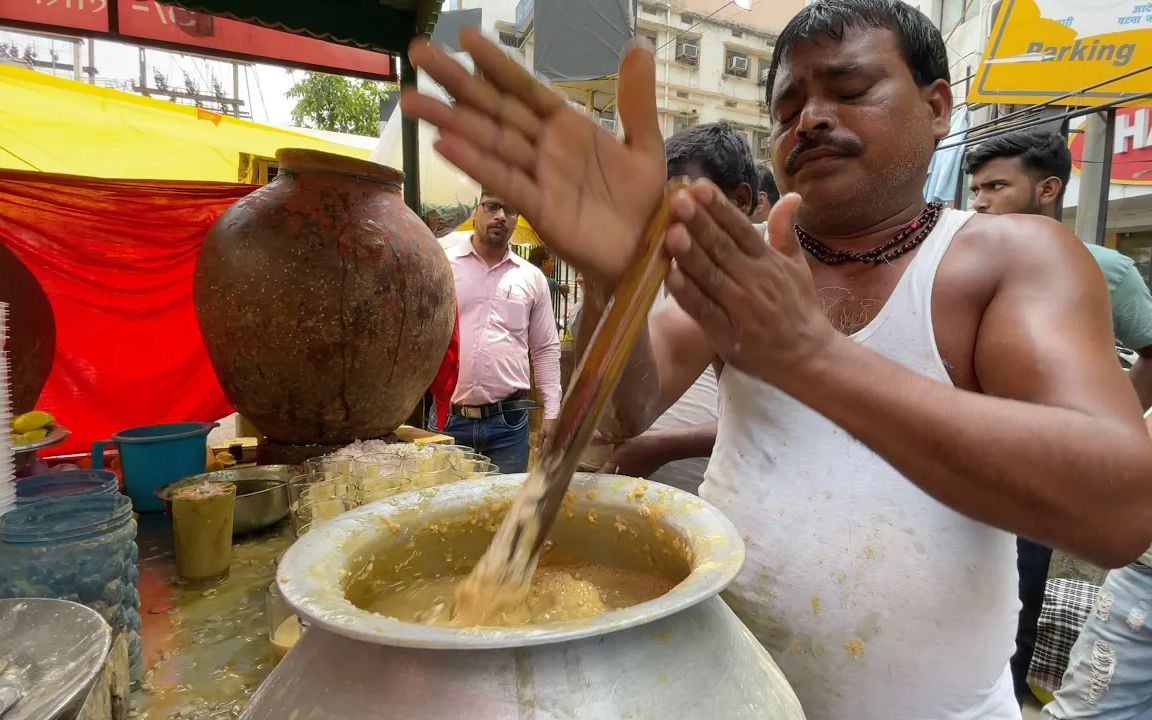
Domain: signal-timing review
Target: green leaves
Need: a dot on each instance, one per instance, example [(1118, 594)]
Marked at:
[(338, 104)]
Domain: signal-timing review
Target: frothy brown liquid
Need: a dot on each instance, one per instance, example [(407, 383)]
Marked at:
[(496, 591), (557, 592)]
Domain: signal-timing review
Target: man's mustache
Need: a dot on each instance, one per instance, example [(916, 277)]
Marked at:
[(850, 147)]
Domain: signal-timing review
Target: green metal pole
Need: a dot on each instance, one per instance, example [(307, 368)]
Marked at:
[(410, 141)]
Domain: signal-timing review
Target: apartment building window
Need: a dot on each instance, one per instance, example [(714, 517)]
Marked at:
[(509, 40), (737, 33), (762, 144), (688, 51), (763, 65), (607, 120), (736, 63), (649, 36), (682, 122), (957, 12), (650, 9)]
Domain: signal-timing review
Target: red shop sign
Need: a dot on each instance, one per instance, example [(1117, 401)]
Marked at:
[(156, 24), (1132, 147)]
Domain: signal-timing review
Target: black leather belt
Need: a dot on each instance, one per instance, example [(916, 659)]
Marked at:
[(516, 401)]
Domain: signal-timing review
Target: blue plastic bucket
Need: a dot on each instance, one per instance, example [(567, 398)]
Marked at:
[(63, 484), (155, 455)]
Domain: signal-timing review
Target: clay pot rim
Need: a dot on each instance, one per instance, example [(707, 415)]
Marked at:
[(301, 160)]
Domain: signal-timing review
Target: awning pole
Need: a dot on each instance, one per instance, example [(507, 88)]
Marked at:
[(1095, 177), (410, 141)]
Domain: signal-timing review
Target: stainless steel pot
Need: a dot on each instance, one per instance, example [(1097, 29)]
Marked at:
[(681, 655), (261, 494), (50, 653)]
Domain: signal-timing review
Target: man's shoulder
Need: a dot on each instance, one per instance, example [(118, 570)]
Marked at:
[(453, 242), (994, 253), (1012, 228), (1011, 240)]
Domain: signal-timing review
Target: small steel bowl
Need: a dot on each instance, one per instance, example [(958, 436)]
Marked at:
[(261, 494)]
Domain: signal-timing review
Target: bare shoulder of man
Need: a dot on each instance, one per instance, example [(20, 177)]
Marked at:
[(1046, 334)]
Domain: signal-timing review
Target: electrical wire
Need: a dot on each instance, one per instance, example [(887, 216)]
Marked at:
[(1032, 109), (1074, 113)]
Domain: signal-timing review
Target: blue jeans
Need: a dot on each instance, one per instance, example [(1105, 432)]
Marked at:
[(504, 438), (1109, 673)]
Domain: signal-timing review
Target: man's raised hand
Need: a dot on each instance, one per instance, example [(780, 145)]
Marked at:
[(586, 193)]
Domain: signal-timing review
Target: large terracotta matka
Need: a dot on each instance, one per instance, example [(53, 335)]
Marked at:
[(326, 303)]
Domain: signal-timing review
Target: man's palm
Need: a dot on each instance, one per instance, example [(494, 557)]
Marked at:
[(588, 194)]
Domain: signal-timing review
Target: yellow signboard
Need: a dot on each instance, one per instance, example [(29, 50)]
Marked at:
[(1099, 51)]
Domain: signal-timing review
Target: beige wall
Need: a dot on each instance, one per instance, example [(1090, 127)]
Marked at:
[(770, 15)]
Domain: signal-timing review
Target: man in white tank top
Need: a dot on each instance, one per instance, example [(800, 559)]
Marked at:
[(904, 387)]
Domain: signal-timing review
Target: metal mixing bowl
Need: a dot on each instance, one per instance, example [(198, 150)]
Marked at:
[(261, 494)]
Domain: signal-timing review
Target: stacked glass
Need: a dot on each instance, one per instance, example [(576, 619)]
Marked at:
[(318, 496)]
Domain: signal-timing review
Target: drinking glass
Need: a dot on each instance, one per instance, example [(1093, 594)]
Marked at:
[(315, 497), (467, 461), (433, 478), (478, 469), (380, 475), (333, 468)]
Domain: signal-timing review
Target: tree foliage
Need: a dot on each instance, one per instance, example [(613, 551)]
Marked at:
[(338, 104)]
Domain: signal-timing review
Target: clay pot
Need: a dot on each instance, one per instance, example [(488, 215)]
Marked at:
[(326, 303), (31, 342)]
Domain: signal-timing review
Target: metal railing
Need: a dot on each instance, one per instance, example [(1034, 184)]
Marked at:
[(567, 292)]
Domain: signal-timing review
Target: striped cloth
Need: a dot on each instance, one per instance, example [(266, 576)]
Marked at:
[(1067, 604)]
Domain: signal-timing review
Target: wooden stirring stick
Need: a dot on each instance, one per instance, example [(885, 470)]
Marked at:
[(512, 556)]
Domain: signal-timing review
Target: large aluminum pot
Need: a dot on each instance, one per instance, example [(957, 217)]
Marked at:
[(50, 654), (682, 655)]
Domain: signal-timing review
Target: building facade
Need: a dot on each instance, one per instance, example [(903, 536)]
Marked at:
[(712, 62)]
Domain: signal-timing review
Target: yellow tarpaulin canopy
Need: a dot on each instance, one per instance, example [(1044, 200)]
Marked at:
[(522, 234), (64, 126)]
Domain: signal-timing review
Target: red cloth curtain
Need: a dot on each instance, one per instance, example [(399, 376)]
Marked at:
[(115, 258)]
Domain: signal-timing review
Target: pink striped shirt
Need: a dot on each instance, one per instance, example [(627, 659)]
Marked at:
[(505, 319)]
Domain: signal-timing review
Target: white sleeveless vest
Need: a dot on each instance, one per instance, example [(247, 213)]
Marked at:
[(877, 601)]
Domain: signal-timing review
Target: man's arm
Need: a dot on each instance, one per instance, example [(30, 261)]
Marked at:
[(1132, 320), (1055, 449), (669, 355), (648, 452), (544, 349)]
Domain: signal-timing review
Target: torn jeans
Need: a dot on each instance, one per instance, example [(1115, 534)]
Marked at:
[(1109, 673)]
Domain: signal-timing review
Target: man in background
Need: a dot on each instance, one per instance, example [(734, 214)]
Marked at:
[(506, 321), (542, 258), (768, 195), (1025, 172), (675, 450)]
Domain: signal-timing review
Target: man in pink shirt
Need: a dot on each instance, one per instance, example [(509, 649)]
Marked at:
[(505, 319)]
